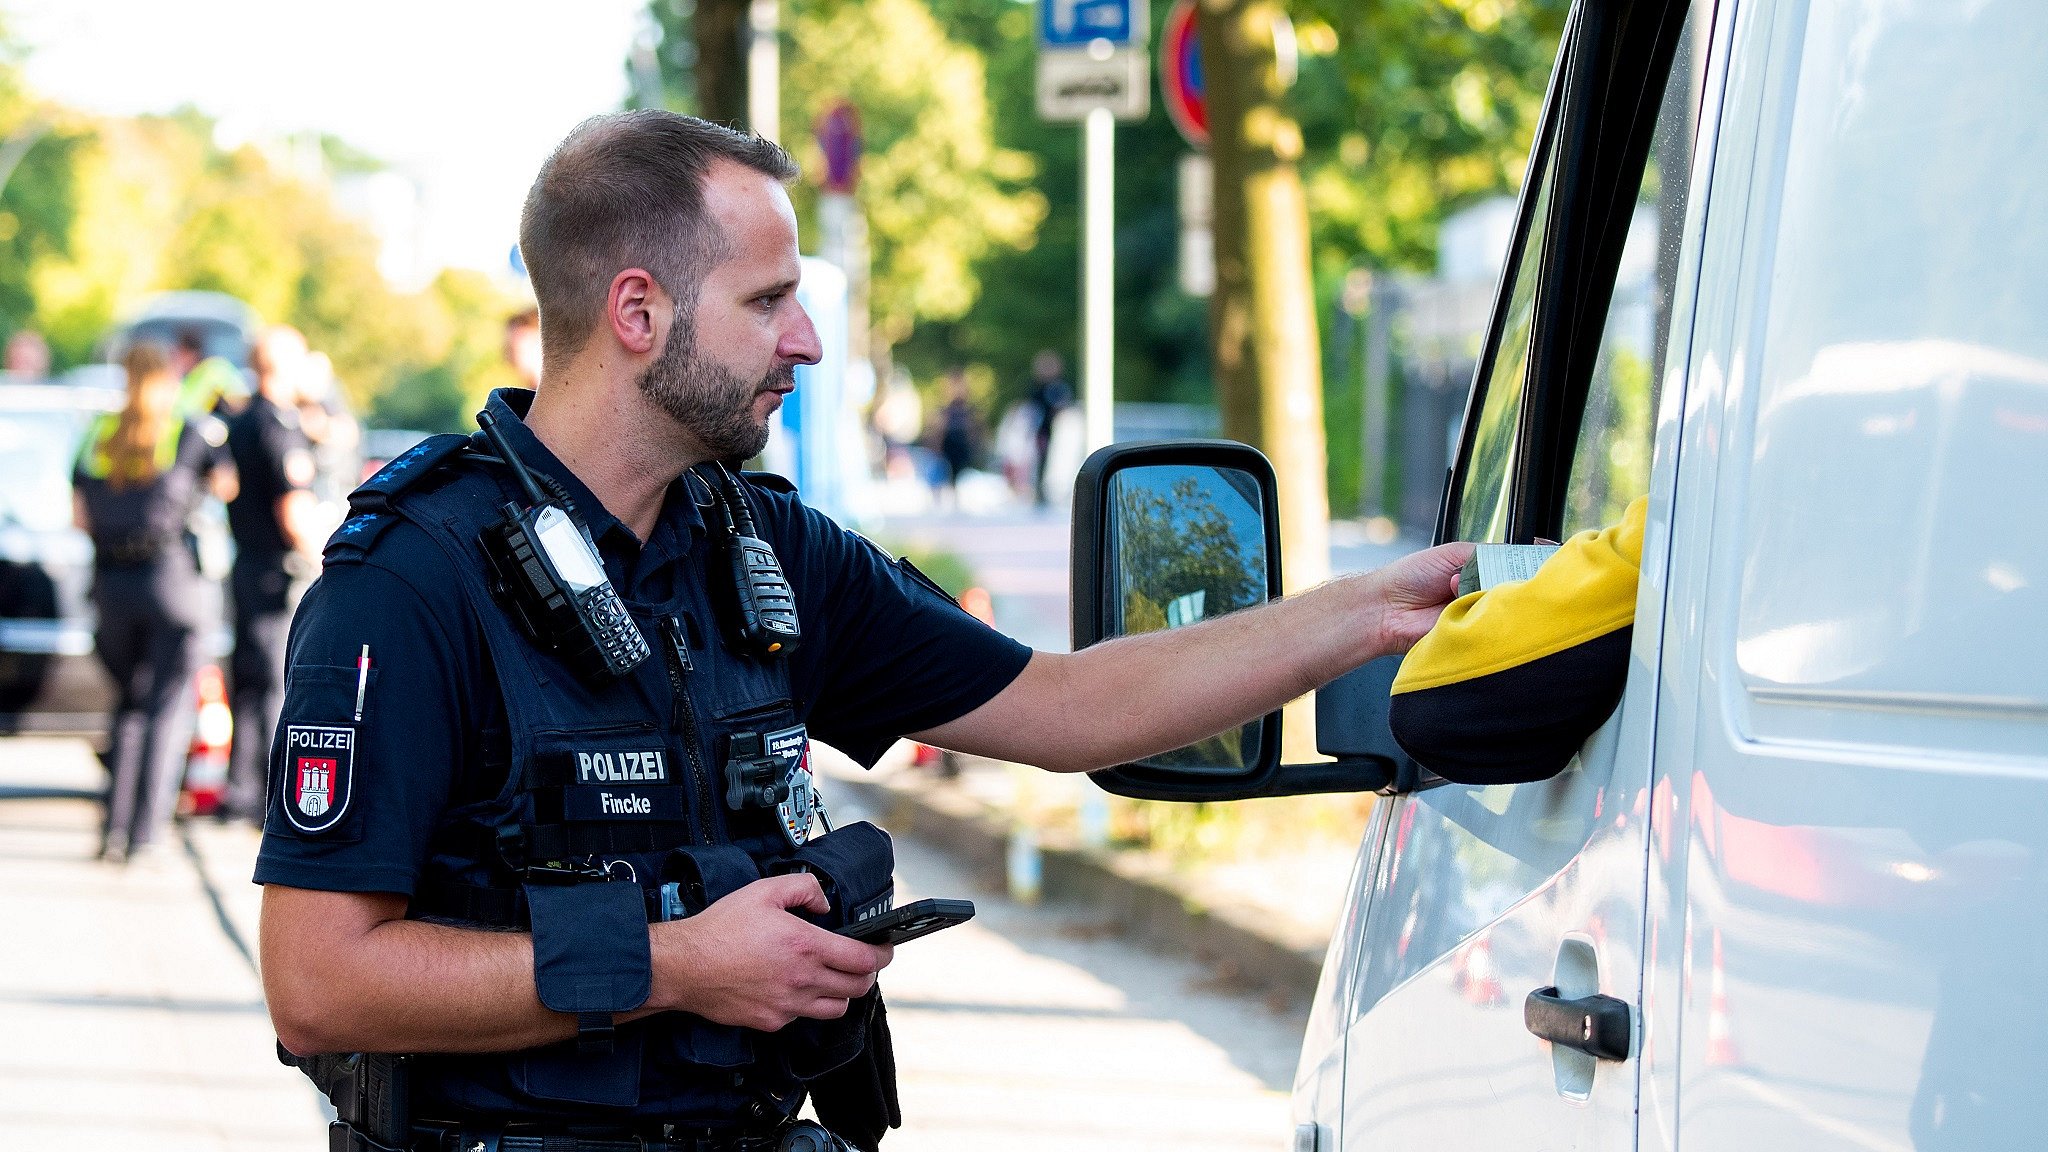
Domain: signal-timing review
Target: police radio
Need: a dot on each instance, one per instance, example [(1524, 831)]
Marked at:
[(549, 573), (762, 605)]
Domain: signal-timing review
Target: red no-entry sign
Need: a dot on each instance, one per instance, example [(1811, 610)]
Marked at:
[(1180, 74)]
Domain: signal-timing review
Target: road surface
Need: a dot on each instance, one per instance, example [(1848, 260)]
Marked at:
[(135, 1019)]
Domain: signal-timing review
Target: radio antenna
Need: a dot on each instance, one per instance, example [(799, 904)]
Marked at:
[(489, 424)]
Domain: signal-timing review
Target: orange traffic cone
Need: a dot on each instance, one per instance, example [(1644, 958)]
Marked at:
[(1720, 1031)]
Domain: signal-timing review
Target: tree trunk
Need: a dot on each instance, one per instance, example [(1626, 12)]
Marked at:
[(1262, 314), (721, 27)]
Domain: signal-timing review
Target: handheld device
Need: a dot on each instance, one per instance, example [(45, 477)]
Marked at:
[(763, 609), (912, 920), (549, 573)]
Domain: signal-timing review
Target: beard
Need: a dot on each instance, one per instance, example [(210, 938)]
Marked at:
[(711, 402)]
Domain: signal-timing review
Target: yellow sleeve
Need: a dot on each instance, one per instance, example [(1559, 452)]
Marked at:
[(1585, 591)]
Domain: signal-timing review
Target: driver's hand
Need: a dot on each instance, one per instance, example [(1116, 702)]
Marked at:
[(1414, 590)]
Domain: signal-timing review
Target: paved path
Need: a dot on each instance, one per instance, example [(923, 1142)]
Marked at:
[(1029, 1029), (134, 1019)]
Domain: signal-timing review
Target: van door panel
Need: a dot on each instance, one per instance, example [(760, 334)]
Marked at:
[(1853, 785), (1480, 888)]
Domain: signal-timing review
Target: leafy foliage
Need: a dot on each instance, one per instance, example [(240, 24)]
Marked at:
[(939, 196), (105, 211), (1417, 108), (1178, 543), (1409, 109), (36, 204)]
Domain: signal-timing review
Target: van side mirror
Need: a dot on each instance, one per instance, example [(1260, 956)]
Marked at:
[(1173, 533)]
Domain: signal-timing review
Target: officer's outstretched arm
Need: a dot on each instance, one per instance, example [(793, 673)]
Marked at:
[(1142, 695), (346, 972)]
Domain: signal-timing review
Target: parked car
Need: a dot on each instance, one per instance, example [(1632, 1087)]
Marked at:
[(1796, 890), (226, 325), (50, 681)]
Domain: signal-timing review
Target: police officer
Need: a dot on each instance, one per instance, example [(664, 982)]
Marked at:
[(475, 833), (140, 475), (271, 518)]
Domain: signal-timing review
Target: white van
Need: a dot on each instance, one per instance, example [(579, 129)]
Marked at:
[(1805, 864)]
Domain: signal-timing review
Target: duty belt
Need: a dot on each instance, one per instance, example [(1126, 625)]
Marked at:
[(799, 1136), (466, 1141)]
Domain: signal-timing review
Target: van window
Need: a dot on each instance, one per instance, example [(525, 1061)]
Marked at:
[(1489, 469), (1894, 561), (1611, 461)]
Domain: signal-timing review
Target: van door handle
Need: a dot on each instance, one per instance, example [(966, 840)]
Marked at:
[(1599, 1026)]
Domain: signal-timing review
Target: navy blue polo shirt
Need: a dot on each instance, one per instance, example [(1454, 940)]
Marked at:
[(882, 655)]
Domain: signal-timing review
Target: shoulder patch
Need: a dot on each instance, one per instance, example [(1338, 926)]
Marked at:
[(353, 539), (406, 469), (319, 776)]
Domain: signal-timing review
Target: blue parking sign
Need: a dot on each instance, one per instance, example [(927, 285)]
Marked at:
[(1078, 23)]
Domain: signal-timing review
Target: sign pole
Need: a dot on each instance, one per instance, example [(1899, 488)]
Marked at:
[(1092, 67), (1098, 282), (764, 69)]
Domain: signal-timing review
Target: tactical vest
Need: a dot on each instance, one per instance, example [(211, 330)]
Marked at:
[(611, 792), (141, 523)]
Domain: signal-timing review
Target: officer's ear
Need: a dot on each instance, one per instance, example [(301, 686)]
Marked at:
[(637, 311)]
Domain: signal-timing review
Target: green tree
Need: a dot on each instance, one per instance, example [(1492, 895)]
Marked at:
[(110, 210), (462, 313), (1411, 109), (1030, 297), (1177, 543), (1262, 316), (36, 202), (939, 196), (699, 52), (1181, 555)]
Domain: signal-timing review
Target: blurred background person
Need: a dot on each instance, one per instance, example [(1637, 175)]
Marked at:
[(140, 477), (1050, 396), (210, 383), (898, 420), (28, 355), (960, 434), (334, 435), (274, 517), (522, 345)]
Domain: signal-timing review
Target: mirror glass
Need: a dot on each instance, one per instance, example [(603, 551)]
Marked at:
[(1187, 543)]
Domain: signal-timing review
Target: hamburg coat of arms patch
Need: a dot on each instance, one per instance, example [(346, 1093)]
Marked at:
[(319, 763)]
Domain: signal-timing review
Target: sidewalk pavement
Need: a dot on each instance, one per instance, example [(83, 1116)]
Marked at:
[(129, 1000), (133, 1015), (1263, 922)]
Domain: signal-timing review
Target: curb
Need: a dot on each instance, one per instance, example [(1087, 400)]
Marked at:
[(1143, 901)]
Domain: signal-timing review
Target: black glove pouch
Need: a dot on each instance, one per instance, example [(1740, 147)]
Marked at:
[(848, 1063), (857, 1099), (856, 865)]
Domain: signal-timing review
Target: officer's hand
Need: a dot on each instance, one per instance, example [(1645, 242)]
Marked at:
[(1413, 591), (746, 960)]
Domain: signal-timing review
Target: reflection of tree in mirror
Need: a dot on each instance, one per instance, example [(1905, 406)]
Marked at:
[(1176, 543), (1180, 558)]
